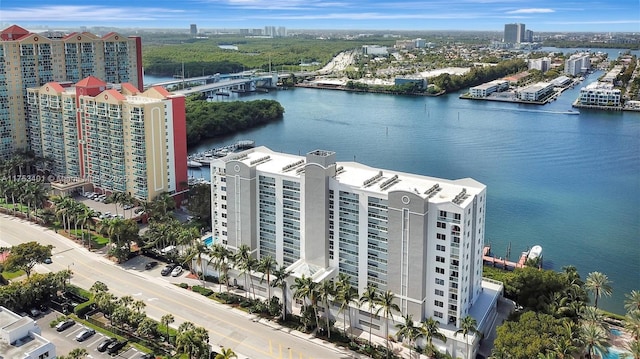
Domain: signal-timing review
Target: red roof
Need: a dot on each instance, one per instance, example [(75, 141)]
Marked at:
[(115, 94), (55, 86), (13, 32), (162, 91), (70, 35), (91, 82), (129, 87)]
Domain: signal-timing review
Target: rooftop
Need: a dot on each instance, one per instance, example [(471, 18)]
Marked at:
[(366, 178)]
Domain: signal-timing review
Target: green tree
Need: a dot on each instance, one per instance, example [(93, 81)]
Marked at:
[(98, 287), (25, 256), (226, 353), (632, 301), (192, 341), (530, 334), (221, 257), (467, 326), (280, 276), (387, 307), (595, 340), (267, 265), (77, 353), (409, 331), (370, 297), (326, 292), (147, 328), (200, 202), (195, 252), (346, 296), (306, 289), (166, 320), (599, 285), (430, 330)]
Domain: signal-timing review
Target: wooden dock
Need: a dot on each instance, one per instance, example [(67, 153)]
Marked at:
[(502, 262)]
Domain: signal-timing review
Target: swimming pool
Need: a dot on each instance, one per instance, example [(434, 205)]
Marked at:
[(614, 353), (615, 332), (208, 241)]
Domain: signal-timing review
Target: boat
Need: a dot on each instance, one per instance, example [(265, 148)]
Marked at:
[(192, 163), (534, 252), (572, 112)]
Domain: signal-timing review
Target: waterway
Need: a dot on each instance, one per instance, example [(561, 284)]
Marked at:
[(570, 183)]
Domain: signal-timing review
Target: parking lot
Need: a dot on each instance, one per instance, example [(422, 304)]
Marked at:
[(105, 208), (65, 341)]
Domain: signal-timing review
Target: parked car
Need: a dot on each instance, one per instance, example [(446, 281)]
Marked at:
[(85, 334), (148, 356), (105, 343), (168, 269), (150, 265), (47, 261), (64, 324), (34, 312), (128, 206), (116, 346), (176, 271)]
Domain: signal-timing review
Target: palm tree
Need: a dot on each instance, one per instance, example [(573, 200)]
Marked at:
[(467, 325), (266, 265), (546, 355), (195, 252), (430, 330), (326, 291), (98, 287), (306, 289), (408, 331), (241, 260), (166, 320), (221, 256), (346, 295), (633, 347), (77, 353), (280, 276), (598, 284), (633, 301), (387, 307), (370, 297), (192, 342), (632, 323), (593, 316), (595, 339), (226, 353)]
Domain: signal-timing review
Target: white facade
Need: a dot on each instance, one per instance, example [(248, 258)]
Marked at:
[(374, 50), (20, 338), (535, 92), (600, 94), (577, 64), (419, 237), (542, 64), (488, 88)]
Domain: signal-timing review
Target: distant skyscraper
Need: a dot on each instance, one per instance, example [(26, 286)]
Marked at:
[(31, 60), (514, 33), (528, 36), (194, 30)]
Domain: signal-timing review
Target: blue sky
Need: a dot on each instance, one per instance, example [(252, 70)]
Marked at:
[(538, 15)]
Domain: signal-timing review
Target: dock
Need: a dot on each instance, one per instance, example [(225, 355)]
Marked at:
[(503, 262), (205, 158)]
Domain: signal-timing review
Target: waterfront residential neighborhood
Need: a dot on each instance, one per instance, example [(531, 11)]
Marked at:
[(199, 192)]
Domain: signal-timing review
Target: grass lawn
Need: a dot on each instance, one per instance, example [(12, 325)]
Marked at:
[(97, 241), (13, 275)]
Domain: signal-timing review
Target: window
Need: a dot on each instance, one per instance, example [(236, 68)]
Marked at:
[(437, 314), (443, 214), (438, 303), (441, 248), (439, 259), (439, 281), (456, 216), (439, 292), (441, 236), (439, 270), (441, 225)]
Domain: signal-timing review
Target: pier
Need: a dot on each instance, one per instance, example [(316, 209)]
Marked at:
[(205, 158), (487, 258)]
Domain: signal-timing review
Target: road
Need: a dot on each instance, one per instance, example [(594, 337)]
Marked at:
[(227, 327)]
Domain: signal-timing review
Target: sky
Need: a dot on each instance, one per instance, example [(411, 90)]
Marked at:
[(484, 15)]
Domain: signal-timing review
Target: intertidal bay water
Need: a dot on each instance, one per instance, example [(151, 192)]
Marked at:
[(570, 183)]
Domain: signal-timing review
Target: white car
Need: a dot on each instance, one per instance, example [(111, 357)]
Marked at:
[(176, 271)]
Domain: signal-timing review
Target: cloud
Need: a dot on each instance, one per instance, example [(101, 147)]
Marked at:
[(87, 13), (531, 11)]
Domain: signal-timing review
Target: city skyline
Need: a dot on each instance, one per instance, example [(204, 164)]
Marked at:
[(480, 15)]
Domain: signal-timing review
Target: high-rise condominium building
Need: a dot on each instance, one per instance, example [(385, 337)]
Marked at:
[(193, 30), (119, 140), (30, 60), (420, 237), (514, 33)]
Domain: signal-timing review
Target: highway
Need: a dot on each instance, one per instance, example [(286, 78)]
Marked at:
[(227, 327)]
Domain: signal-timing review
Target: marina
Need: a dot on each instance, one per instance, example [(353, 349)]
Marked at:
[(533, 253), (205, 158)]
